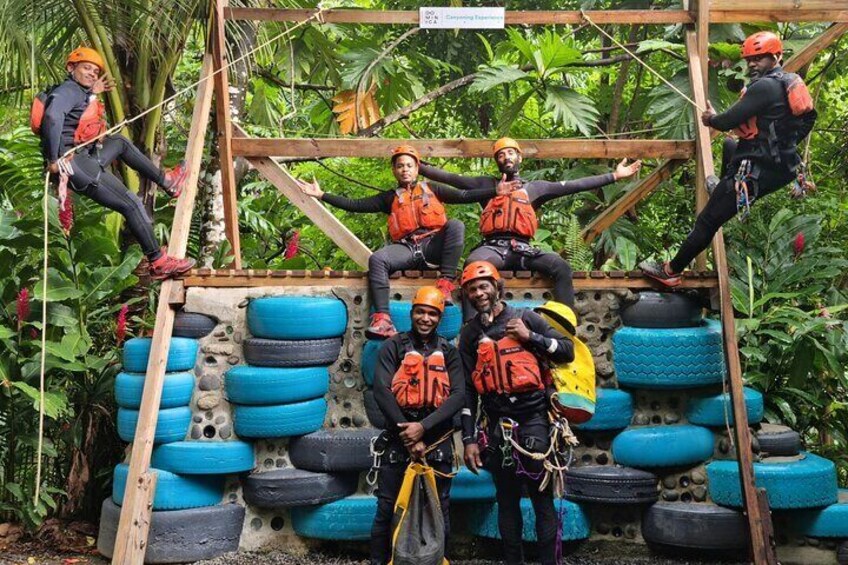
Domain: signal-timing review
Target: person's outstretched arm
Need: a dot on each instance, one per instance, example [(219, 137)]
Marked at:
[(450, 195), (455, 180), (541, 191), (378, 203)]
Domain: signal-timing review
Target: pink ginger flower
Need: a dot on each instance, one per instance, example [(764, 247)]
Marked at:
[(23, 307), (121, 326), (293, 245), (66, 215), (798, 244)]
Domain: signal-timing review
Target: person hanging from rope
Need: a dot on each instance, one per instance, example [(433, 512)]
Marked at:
[(774, 114), (509, 220), (421, 234), (419, 387), (504, 351), (69, 115)]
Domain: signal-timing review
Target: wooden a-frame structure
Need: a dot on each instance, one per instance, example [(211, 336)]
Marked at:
[(696, 15)]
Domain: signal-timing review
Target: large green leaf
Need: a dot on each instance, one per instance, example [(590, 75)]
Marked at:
[(512, 112), (59, 287), (55, 403), (490, 77), (109, 281), (671, 112), (553, 53), (571, 109)]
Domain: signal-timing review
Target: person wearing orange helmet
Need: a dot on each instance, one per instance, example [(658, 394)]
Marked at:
[(504, 351), (509, 221), (421, 234), (419, 387), (773, 115), (69, 116)]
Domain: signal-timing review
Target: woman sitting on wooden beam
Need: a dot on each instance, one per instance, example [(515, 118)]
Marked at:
[(421, 234)]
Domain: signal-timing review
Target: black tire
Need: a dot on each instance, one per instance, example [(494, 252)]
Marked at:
[(292, 353), (842, 553), (611, 485), (375, 416), (776, 440), (191, 324), (284, 488), (334, 450), (179, 536), (662, 310), (695, 526)]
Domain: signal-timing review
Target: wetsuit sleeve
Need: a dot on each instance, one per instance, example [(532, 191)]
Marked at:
[(541, 191), (58, 104), (387, 363), (807, 122), (450, 195), (378, 203), (456, 400), (455, 180), (759, 97), (545, 341), (468, 357)]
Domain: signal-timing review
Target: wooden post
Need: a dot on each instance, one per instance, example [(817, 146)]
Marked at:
[(131, 539), (806, 55), (699, 51), (759, 520), (225, 132)]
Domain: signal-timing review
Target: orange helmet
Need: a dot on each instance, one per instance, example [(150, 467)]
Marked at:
[(430, 296), (762, 43), (504, 143), (85, 54), (479, 270), (405, 150)]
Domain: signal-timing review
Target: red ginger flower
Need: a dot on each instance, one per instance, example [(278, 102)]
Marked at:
[(121, 326), (798, 244), (293, 245), (23, 307), (66, 215)]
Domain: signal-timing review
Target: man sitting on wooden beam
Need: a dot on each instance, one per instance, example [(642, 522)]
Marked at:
[(422, 236), (774, 114), (508, 222)]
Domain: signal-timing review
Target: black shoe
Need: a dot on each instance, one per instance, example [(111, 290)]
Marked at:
[(660, 273)]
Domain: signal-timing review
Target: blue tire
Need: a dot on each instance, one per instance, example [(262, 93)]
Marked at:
[(182, 354), (468, 487), (663, 446), (669, 358), (401, 310), (807, 482), (204, 457), (370, 353), (173, 492), (525, 304), (711, 410), (613, 411), (296, 317), (348, 519), (176, 390), (275, 385), (171, 426), (284, 420), (483, 520), (828, 522)]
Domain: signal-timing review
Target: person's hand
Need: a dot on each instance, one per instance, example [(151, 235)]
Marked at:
[(623, 170), (507, 186), (53, 167), (312, 189), (516, 329), (472, 458), (411, 432), (104, 83), (707, 114), (417, 450)]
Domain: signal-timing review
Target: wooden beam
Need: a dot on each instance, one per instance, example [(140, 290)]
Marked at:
[(632, 197), (131, 539), (777, 16), (697, 44), (806, 55), (469, 148), (225, 134), (312, 208), (759, 521)]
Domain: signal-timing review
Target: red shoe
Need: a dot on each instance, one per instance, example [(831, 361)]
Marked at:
[(381, 327), (447, 287), (175, 180), (167, 267), (660, 273)]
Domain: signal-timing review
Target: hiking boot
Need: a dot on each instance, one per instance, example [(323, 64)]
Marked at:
[(447, 287), (711, 184), (660, 273), (175, 179), (381, 327), (167, 267)]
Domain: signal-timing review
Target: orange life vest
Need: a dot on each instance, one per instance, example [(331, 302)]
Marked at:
[(506, 367), (91, 124), (413, 209), (421, 382), (510, 213), (798, 101)]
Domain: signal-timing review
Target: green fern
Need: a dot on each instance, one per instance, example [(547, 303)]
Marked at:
[(578, 253)]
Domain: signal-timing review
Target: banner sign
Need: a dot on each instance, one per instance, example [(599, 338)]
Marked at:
[(461, 18)]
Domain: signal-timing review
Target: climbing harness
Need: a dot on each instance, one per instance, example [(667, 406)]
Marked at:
[(743, 180), (380, 444)]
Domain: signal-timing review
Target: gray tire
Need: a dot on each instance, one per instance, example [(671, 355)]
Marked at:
[(610, 485), (333, 450), (695, 526), (292, 353), (284, 488), (662, 310), (778, 441), (192, 324)]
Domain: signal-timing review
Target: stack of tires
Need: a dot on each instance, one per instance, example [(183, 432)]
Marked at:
[(280, 393), (400, 312), (189, 522)]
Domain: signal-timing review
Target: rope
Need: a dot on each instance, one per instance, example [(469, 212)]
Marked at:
[(318, 15), (640, 61)]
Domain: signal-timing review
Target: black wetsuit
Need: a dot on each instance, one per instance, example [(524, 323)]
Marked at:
[(530, 410), (437, 423)]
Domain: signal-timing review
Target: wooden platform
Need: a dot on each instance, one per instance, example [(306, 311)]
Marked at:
[(583, 280)]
